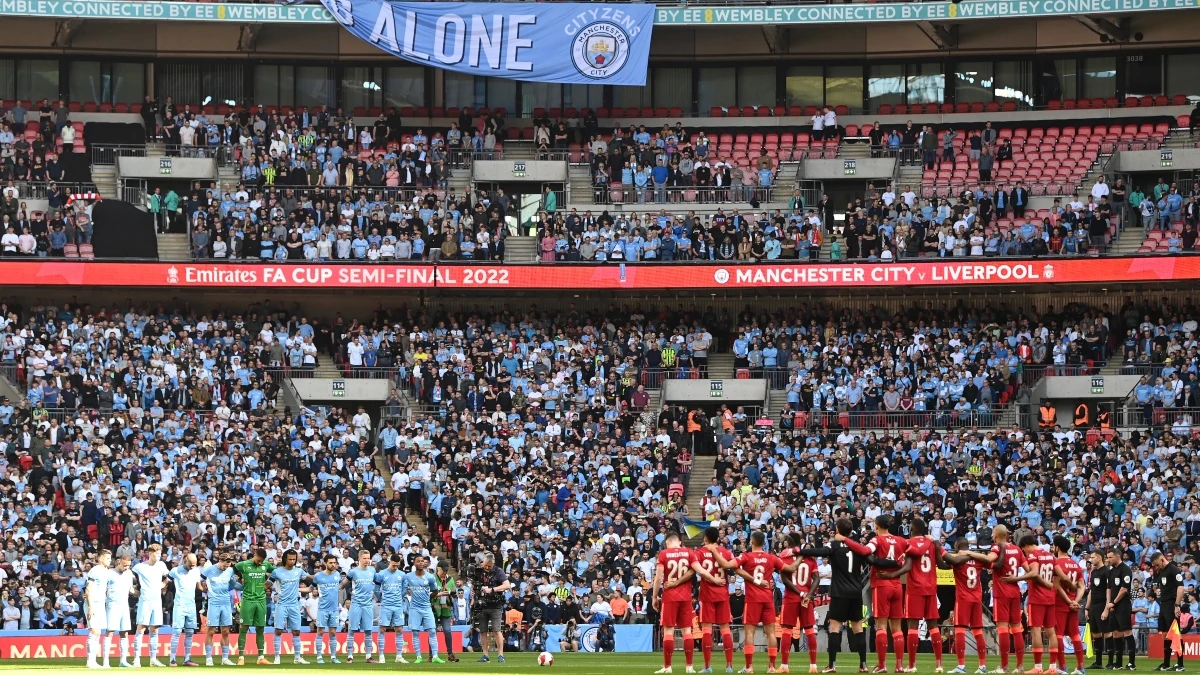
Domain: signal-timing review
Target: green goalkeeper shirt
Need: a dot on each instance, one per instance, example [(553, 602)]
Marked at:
[(254, 578)]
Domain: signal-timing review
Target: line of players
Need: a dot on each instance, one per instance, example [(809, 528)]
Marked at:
[(1055, 581), (401, 595)]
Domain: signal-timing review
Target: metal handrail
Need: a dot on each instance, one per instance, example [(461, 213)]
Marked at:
[(41, 189), (107, 155)]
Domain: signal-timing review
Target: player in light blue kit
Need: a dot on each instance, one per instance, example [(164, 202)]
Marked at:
[(361, 580), (392, 606), (287, 580), (329, 584), (221, 583), (185, 618), (149, 575), (420, 587)]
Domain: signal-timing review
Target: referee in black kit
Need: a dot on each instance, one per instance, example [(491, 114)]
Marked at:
[(1119, 612), (1097, 598), (1169, 580)]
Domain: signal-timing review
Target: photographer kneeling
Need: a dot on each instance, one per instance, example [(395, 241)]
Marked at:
[(569, 642)]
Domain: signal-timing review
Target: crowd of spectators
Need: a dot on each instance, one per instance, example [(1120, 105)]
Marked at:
[(673, 166), (30, 142), (347, 223)]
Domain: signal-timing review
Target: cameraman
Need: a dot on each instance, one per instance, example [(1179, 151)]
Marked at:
[(569, 642), (537, 637), (490, 583), (606, 639)]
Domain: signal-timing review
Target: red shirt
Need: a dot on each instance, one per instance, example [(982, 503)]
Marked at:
[(802, 578), (708, 562), (1039, 594), (968, 582), (885, 546), (675, 563), (1072, 571), (760, 565), (1014, 560), (922, 578)]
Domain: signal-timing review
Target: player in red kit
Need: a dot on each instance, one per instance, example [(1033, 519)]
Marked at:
[(1068, 596), (758, 567), (968, 603), (1006, 561), (673, 575), (714, 597), (1039, 566), (887, 595), (799, 614), (920, 600)]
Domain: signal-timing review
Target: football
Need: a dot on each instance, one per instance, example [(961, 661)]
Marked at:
[(545, 659)]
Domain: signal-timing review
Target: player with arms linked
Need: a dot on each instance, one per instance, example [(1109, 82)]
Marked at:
[(920, 602), (672, 575), (846, 587), (887, 595), (714, 597), (968, 603)]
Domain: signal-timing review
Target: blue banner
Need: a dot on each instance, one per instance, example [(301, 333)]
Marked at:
[(560, 42), (628, 637)]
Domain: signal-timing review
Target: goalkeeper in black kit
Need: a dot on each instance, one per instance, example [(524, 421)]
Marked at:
[(846, 593)]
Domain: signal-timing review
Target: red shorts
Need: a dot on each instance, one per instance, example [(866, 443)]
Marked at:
[(1041, 616), (1006, 610), (1067, 622), (715, 612), (759, 613), (968, 614), (677, 614), (887, 602), (921, 607), (797, 615)]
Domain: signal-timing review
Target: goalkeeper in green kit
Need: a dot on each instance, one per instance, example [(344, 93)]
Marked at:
[(253, 574)]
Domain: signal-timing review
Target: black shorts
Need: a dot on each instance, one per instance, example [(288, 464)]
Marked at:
[(489, 620), (1098, 626), (845, 609), (1120, 619), (1165, 620)]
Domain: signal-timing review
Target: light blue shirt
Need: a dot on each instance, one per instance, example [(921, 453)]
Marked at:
[(391, 585), (288, 585), (328, 586), (220, 586), (419, 588), (186, 582), (362, 593)]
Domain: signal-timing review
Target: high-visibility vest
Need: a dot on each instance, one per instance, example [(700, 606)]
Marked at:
[(1049, 416), (1082, 415), (1105, 419), (693, 425)]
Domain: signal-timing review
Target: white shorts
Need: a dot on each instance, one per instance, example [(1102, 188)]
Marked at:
[(150, 615), (118, 620), (97, 619)]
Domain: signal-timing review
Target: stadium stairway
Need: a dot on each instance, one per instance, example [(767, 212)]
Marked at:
[(327, 369), (1128, 241), (776, 401), (174, 247), (105, 178), (579, 176), (520, 249), (11, 390), (720, 366), (1179, 138), (703, 467), (850, 150), (910, 174)]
